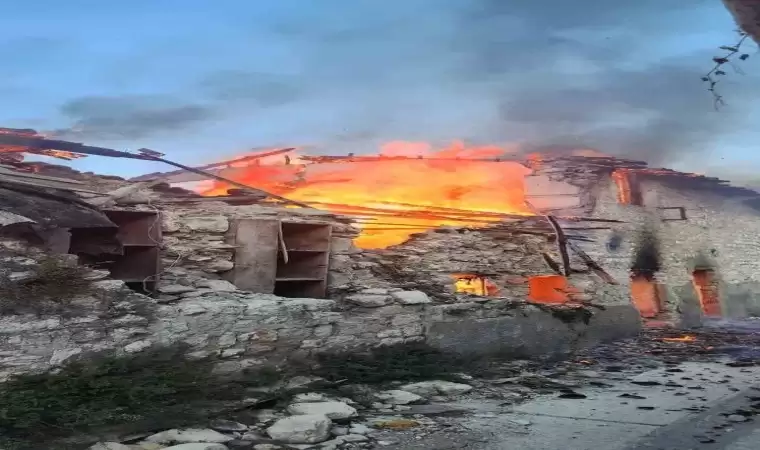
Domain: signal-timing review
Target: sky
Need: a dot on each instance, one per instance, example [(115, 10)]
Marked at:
[(200, 80)]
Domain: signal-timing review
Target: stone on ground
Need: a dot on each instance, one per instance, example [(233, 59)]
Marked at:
[(305, 429), (398, 397), (109, 446), (228, 425), (189, 435), (436, 387), (333, 410), (197, 446)]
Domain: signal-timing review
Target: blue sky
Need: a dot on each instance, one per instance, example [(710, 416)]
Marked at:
[(202, 80)]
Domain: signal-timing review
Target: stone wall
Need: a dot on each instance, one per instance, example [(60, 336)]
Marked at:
[(194, 237), (245, 330), (428, 261), (719, 232)]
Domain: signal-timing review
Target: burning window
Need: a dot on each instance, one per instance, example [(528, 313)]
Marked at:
[(628, 188), (548, 289), (474, 285), (707, 291), (645, 294)]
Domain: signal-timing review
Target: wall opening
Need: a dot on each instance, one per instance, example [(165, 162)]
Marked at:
[(628, 188), (473, 284), (645, 293), (706, 288), (548, 289)]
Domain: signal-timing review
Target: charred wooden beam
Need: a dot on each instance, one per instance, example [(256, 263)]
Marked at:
[(592, 264), (561, 244)]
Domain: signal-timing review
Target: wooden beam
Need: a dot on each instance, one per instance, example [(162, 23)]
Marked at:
[(592, 264)]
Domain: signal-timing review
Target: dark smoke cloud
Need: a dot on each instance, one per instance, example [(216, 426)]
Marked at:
[(134, 117), (551, 73)]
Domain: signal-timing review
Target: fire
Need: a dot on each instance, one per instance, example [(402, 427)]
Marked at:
[(684, 338), (408, 188)]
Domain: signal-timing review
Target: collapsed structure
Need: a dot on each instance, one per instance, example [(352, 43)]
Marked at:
[(465, 249)]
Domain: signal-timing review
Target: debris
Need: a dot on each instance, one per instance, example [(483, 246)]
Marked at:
[(570, 394), (398, 397), (306, 429), (188, 435), (396, 424), (633, 396), (332, 409), (430, 388)]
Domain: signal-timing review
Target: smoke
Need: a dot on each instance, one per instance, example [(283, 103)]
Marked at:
[(134, 117), (548, 74)]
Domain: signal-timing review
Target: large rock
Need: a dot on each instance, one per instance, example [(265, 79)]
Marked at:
[(411, 297), (197, 446), (436, 387), (217, 285), (369, 300), (333, 410), (207, 224), (189, 435), (308, 429), (109, 446), (397, 397)]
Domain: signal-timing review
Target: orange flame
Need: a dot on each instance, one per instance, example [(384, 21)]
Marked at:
[(396, 197), (684, 338)]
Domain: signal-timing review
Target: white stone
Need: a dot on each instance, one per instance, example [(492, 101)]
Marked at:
[(188, 435), (306, 429), (430, 388), (369, 300), (192, 309), (137, 346), (398, 397), (219, 265), (309, 397), (266, 447), (359, 428), (197, 446), (109, 446), (175, 289), (411, 297), (208, 224), (331, 409), (354, 438), (22, 276), (375, 291), (217, 285), (228, 425), (61, 356)]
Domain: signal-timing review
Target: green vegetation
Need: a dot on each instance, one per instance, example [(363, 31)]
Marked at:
[(156, 390), (407, 362), (48, 289)]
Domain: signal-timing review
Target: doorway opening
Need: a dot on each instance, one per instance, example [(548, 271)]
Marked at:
[(706, 288), (645, 293)]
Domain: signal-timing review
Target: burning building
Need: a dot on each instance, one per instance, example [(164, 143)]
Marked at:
[(462, 222), (467, 249)]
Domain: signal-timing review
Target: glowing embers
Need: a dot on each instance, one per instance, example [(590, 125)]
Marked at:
[(645, 294), (550, 289), (465, 283), (707, 291), (628, 188)]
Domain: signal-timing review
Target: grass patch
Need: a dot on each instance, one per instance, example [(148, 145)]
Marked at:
[(156, 390), (406, 362), (48, 288)]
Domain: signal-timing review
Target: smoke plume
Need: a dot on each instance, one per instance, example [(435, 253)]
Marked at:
[(612, 75)]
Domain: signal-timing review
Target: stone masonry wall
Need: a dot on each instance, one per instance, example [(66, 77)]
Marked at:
[(252, 330), (428, 260), (246, 330), (719, 232), (194, 237)]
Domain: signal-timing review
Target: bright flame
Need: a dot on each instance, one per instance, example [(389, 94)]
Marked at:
[(474, 285), (395, 197), (684, 338)]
